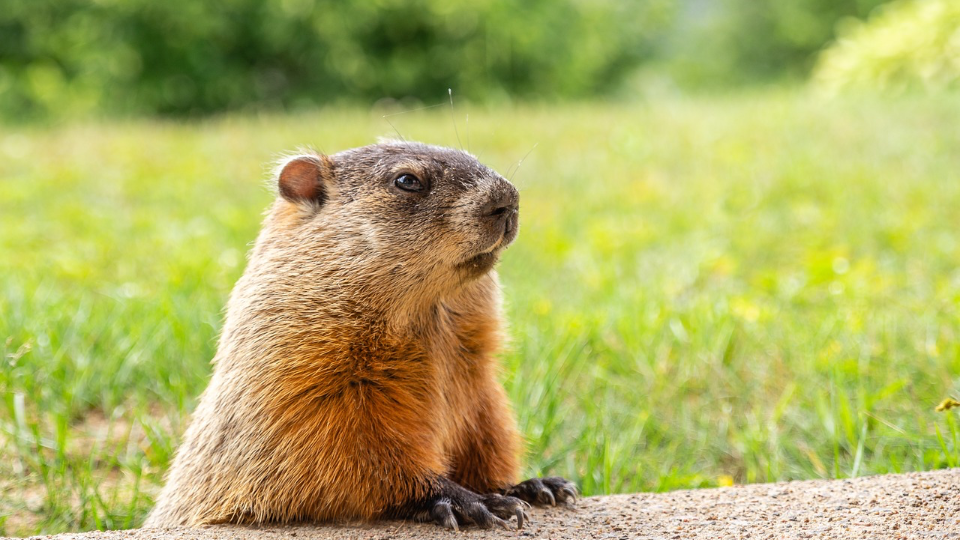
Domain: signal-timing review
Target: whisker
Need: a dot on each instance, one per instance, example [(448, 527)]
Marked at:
[(453, 117), (510, 175), (434, 106), (386, 116), (394, 128)]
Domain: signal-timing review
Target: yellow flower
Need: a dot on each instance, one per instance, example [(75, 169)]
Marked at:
[(947, 404)]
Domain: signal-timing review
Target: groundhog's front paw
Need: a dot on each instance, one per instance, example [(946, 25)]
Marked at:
[(455, 506), (545, 491)]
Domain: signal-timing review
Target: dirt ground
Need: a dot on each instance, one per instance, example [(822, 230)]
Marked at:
[(916, 505)]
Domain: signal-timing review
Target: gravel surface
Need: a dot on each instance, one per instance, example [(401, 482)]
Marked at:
[(917, 505)]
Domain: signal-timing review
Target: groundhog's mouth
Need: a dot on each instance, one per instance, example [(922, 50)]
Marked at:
[(482, 262)]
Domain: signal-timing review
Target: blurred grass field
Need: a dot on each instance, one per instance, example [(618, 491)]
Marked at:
[(704, 291)]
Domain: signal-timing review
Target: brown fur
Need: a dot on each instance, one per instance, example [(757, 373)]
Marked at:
[(356, 365)]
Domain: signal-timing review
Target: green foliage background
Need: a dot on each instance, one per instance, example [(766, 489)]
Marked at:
[(738, 42), (185, 57), (81, 58), (907, 46)]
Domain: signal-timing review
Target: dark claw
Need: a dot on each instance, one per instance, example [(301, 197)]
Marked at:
[(480, 515), (442, 513), (453, 505), (545, 491), (505, 507), (568, 493)]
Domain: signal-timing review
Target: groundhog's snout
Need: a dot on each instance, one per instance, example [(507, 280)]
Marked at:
[(501, 211)]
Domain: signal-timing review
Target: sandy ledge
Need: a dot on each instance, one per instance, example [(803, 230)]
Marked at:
[(916, 505)]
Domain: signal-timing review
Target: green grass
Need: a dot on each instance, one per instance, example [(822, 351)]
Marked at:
[(754, 288)]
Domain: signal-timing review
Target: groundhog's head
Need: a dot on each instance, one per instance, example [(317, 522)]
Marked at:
[(416, 216)]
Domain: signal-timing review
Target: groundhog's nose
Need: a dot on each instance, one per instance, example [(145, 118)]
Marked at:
[(505, 201), (502, 209)]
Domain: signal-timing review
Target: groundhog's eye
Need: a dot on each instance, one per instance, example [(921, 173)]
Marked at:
[(409, 182)]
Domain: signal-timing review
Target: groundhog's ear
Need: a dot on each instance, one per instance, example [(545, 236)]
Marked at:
[(304, 178)]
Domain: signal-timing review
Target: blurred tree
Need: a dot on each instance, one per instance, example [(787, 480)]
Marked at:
[(179, 57), (908, 45), (734, 42)]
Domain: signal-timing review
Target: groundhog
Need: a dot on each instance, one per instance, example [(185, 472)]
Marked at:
[(356, 376)]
